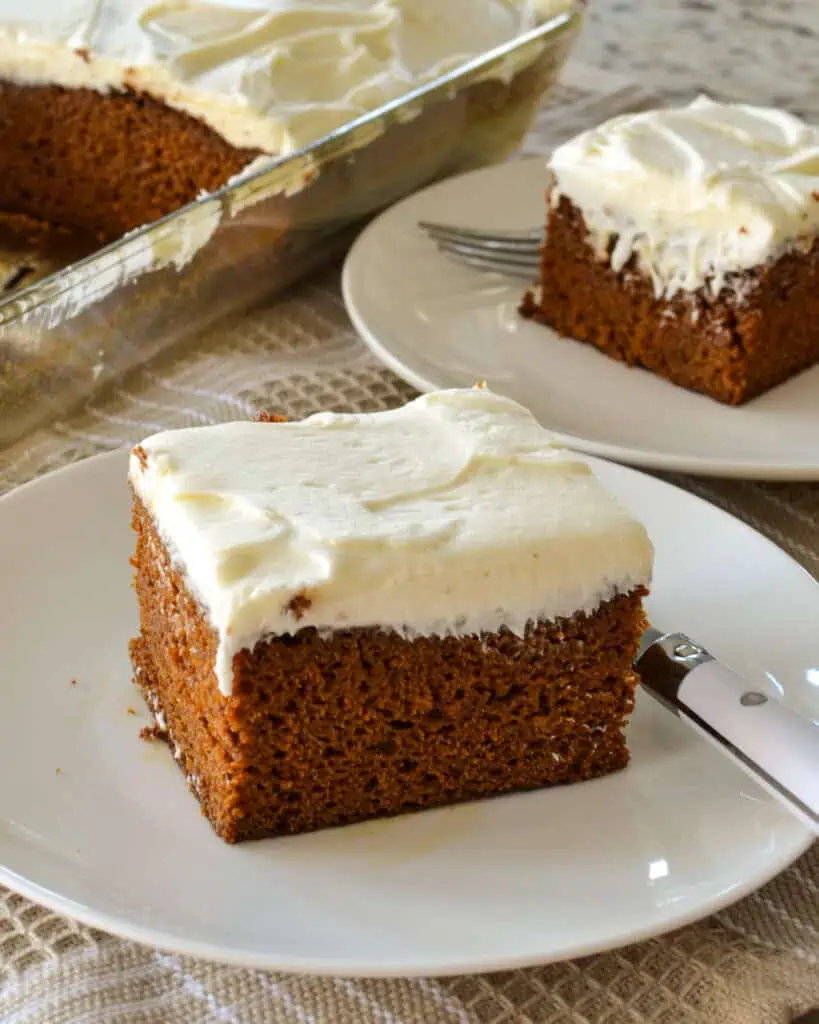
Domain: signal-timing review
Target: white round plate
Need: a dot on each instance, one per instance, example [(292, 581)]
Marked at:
[(98, 824), (439, 324)]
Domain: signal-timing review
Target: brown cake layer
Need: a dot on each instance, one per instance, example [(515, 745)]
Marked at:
[(104, 163), (760, 330), (328, 730)]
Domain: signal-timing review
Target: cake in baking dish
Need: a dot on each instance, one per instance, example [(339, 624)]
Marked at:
[(686, 241), (355, 616), (116, 112)]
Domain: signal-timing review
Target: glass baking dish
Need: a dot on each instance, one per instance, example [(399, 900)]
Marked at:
[(70, 327)]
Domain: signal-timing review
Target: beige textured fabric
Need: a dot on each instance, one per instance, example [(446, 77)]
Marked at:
[(755, 963)]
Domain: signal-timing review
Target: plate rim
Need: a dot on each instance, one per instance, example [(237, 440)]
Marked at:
[(155, 937), (707, 466), (340, 968)]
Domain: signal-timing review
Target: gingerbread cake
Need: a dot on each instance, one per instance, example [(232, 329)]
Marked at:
[(355, 616), (686, 241), (116, 112)]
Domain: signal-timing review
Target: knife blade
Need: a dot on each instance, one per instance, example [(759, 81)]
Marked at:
[(770, 741)]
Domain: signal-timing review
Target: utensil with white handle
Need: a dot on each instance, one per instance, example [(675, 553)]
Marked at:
[(771, 742)]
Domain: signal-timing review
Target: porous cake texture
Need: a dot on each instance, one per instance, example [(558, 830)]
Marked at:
[(356, 616), (105, 164), (116, 112), (686, 241)]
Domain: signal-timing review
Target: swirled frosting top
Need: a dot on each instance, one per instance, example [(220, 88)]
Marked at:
[(698, 192), (266, 74), (452, 515)]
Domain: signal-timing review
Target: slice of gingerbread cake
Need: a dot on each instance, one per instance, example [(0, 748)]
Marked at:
[(355, 616), (686, 241)]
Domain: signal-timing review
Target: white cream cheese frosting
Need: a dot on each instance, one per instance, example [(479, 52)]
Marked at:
[(454, 514), (272, 75), (697, 193)]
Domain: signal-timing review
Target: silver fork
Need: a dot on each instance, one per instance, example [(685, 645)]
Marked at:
[(516, 253)]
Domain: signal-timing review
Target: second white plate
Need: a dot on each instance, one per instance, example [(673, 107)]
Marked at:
[(439, 324)]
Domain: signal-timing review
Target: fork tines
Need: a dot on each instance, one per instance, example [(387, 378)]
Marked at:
[(525, 240), (508, 252)]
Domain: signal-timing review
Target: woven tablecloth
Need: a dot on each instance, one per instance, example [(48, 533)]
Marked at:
[(754, 963)]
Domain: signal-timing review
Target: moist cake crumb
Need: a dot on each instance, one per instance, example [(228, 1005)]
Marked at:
[(149, 733), (298, 605)]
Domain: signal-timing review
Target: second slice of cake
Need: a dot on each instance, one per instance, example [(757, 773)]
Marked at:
[(686, 241), (359, 615)]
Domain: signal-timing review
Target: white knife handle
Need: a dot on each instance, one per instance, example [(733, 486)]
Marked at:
[(774, 744)]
